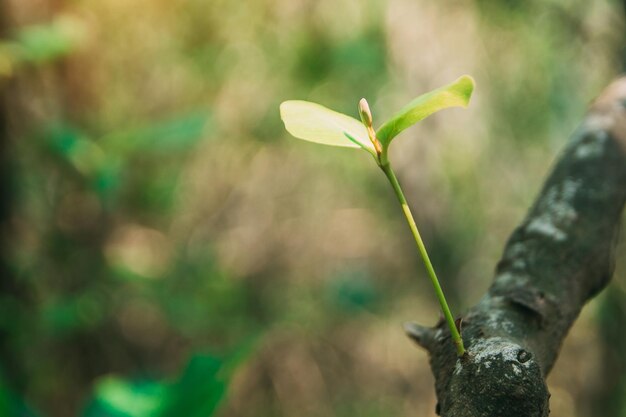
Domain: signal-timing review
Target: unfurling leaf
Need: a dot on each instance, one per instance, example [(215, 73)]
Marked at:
[(456, 94)]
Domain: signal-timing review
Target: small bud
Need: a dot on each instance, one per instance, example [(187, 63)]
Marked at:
[(365, 113), (366, 118)]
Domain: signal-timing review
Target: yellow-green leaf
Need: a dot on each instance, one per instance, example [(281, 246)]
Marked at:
[(315, 123), (456, 94)]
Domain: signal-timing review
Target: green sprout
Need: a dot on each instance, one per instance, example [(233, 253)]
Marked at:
[(315, 123)]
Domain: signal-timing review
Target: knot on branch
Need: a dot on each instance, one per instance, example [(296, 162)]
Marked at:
[(496, 378), (421, 335)]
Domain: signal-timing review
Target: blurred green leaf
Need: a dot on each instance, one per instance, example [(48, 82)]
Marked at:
[(41, 43), (456, 94), (203, 384), (353, 290), (108, 179), (315, 123), (115, 397), (314, 63), (11, 405), (196, 393), (199, 390), (174, 135), (82, 153), (361, 62)]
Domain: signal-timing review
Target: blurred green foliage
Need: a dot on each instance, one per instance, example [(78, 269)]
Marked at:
[(38, 44), (196, 393), (11, 404), (153, 207)]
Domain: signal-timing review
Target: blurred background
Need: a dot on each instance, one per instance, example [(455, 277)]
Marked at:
[(168, 249)]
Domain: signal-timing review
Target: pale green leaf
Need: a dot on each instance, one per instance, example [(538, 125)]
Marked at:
[(315, 123), (456, 94)]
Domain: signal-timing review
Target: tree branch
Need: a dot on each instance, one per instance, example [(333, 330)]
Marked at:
[(554, 262)]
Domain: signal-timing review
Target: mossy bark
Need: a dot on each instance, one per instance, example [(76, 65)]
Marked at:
[(558, 258)]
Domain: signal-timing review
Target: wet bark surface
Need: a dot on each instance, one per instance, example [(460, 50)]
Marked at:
[(558, 258)]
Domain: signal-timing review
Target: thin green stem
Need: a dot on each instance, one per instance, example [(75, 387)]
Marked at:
[(456, 337)]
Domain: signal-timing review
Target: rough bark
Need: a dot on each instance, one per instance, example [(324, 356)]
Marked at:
[(559, 257)]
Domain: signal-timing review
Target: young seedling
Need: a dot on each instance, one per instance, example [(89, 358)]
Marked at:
[(315, 123)]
